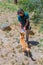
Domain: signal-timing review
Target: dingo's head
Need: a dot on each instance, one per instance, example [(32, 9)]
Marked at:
[(22, 35)]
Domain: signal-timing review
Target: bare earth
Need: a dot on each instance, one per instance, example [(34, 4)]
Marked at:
[(10, 49)]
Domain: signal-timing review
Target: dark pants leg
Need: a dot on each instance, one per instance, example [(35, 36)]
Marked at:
[(27, 36), (27, 32)]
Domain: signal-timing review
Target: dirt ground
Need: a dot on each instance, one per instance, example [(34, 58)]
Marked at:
[(10, 49)]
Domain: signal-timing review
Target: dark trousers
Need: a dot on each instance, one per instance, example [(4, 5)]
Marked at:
[(27, 35), (27, 32)]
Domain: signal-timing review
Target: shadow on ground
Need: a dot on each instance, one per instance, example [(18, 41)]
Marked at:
[(33, 43)]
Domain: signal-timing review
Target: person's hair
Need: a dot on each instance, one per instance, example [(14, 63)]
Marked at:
[(20, 11)]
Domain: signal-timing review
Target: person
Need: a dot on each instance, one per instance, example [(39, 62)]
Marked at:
[(23, 18)]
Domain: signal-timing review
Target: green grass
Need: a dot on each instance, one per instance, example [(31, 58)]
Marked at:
[(40, 45), (41, 40), (9, 6), (41, 28)]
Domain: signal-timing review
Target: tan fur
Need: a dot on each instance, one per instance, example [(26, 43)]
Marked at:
[(23, 43)]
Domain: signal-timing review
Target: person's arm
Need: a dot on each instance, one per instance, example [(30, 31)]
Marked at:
[(26, 22), (20, 24), (19, 19)]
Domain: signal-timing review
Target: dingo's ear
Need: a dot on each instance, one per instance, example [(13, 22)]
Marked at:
[(20, 33)]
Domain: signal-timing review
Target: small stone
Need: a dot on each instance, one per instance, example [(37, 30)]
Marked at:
[(5, 26)]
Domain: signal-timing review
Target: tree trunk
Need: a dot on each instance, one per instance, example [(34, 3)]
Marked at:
[(15, 1)]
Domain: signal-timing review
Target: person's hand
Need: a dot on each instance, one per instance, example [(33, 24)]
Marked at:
[(24, 28), (20, 24)]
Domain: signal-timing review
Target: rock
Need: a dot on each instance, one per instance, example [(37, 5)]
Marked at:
[(5, 26)]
